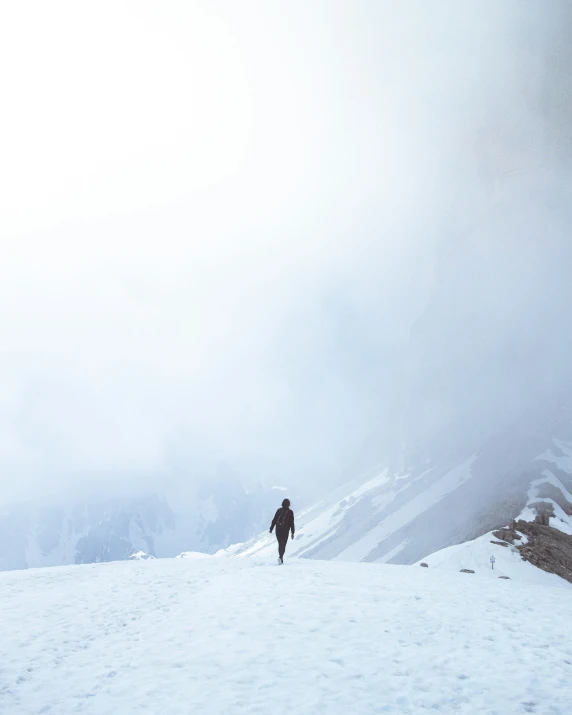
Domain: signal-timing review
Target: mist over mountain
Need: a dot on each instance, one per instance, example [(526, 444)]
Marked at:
[(106, 527), (286, 357), (362, 269), (478, 432)]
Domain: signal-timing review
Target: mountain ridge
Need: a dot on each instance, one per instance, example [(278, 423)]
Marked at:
[(99, 528)]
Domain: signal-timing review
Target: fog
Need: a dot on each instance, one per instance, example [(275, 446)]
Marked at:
[(219, 225)]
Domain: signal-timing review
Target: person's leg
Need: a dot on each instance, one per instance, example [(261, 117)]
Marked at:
[(282, 541)]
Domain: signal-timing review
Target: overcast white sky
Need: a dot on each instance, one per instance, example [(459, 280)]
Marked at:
[(217, 225)]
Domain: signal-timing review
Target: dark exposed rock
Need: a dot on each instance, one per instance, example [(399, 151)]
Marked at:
[(467, 571), (509, 535), (507, 578), (426, 566), (500, 543), (544, 512), (547, 548)]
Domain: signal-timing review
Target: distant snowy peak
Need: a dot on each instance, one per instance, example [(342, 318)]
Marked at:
[(102, 529), (87, 531)]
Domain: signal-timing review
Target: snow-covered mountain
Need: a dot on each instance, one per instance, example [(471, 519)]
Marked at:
[(481, 427), (114, 528), (402, 517)]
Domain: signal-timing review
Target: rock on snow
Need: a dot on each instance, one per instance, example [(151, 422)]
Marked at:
[(230, 635), (140, 556)]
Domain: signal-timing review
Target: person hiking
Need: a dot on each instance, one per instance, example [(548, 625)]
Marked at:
[(284, 522)]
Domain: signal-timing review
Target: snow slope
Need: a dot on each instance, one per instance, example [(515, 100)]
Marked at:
[(476, 555), (397, 517), (222, 636), (561, 500)]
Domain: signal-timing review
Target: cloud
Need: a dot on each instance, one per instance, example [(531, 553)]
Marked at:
[(219, 227)]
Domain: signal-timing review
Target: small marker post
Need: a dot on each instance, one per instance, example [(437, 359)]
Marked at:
[(493, 562)]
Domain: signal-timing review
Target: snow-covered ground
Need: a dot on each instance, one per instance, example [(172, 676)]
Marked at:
[(193, 555), (229, 635), (475, 555)]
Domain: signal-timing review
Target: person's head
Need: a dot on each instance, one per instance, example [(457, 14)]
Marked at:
[(286, 503)]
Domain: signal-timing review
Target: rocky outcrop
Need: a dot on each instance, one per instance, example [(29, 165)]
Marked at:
[(507, 535), (544, 512), (547, 548)]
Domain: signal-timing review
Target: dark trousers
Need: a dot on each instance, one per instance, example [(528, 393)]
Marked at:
[(282, 537)]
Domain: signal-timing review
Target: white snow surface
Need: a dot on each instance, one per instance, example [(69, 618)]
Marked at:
[(193, 555), (476, 555), (229, 635)]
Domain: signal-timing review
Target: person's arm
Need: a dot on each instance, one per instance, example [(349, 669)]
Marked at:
[(292, 527), (274, 521)]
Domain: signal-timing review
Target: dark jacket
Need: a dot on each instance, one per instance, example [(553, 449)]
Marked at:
[(283, 520)]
